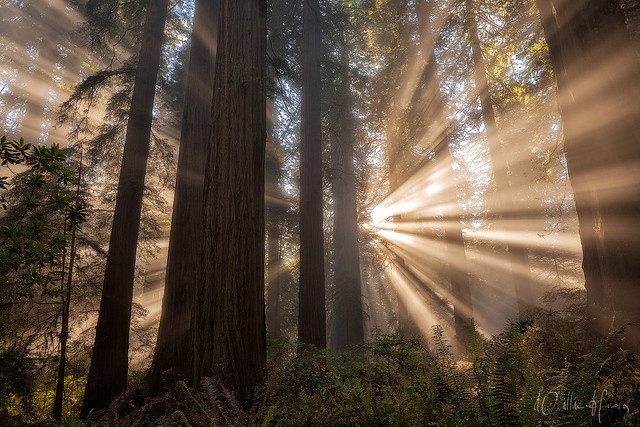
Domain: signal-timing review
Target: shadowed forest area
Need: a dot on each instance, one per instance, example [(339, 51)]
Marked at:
[(320, 212)]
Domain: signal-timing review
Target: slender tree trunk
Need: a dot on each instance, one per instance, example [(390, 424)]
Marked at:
[(311, 312), (64, 334), (66, 307), (108, 371), (518, 257), (274, 271), (174, 339), (598, 81), (348, 322), (275, 211), (229, 318)]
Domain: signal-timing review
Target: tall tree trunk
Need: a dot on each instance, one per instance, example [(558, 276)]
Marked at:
[(311, 313), (229, 319), (598, 81), (517, 255), (174, 339), (66, 308), (108, 371), (348, 322), (274, 271), (275, 210)]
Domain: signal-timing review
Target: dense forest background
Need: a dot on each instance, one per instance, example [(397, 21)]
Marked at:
[(301, 212)]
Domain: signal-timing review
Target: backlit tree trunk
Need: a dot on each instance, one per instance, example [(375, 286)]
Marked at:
[(274, 271), (348, 321), (598, 82), (174, 340), (276, 208), (311, 313), (108, 371), (229, 317)]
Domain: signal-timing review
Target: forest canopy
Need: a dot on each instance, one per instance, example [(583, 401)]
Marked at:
[(300, 212)]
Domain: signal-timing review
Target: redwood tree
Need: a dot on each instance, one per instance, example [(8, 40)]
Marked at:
[(348, 321), (174, 340), (228, 320), (108, 372), (598, 81), (311, 314)]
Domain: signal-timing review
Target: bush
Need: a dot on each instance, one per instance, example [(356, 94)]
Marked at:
[(508, 380)]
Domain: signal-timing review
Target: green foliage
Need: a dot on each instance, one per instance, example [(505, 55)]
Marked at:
[(39, 211), (16, 380), (37, 215), (507, 380)]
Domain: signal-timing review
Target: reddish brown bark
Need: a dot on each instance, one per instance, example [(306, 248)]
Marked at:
[(174, 339), (229, 318)]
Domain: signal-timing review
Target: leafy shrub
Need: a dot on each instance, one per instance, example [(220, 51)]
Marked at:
[(508, 380)]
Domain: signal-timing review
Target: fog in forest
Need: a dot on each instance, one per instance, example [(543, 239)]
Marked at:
[(278, 207)]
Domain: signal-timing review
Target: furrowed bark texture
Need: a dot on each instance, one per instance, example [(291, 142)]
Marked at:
[(108, 371), (174, 340), (598, 82), (229, 318), (311, 313)]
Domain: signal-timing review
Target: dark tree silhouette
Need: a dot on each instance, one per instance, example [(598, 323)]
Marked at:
[(348, 321), (311, 314), (108, 371)]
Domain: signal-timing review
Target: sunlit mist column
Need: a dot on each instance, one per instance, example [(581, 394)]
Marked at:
[(517, 255), (458, 268)]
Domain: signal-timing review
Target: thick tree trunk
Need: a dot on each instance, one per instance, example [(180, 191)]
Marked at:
[(229, 318), (174, 339), (311, 313), (108, 371), (598, 81), (517, 256), (348, 321)]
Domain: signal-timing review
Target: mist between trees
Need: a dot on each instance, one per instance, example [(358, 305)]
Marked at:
[(309, 211)]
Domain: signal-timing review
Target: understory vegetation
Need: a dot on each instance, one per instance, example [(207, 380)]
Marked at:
[(544, 371)]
